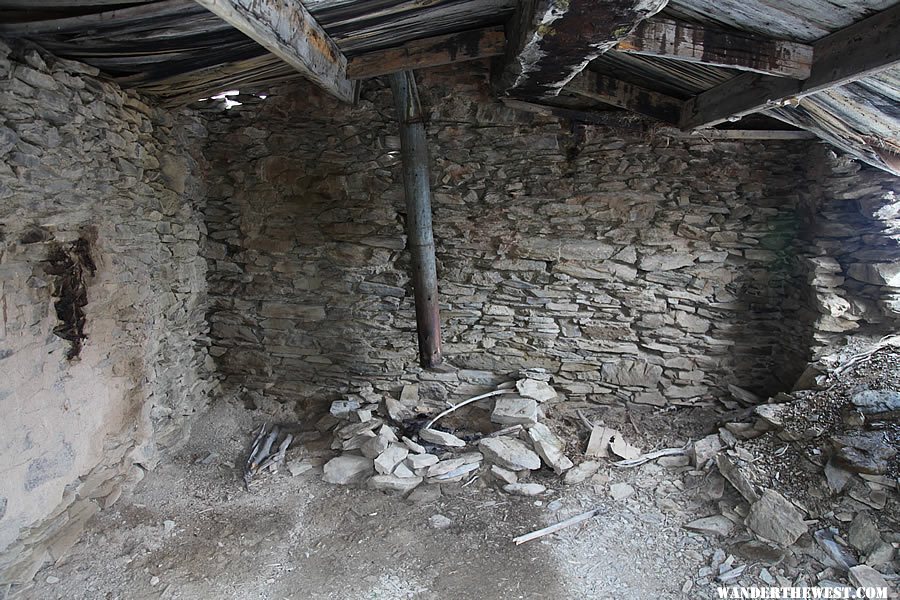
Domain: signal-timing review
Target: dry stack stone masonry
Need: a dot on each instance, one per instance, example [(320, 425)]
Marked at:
[(102, 297), (633, 266)]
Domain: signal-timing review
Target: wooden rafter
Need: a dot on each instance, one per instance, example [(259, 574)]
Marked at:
[(429, 52), (551, 41), (626, 95), (863, 49), (716, 47), (286, 29)]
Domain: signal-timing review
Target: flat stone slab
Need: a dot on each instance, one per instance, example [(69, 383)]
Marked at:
[(775, 519), (392, 483), (714, 525), (550, 448), (348, 469), (441, 438), (539, 390), (873, 402), (582, 472), (388, 460), (509, 453), (620, 491), (504, 475), (524, 489), (421, 461), (866, 577), (514, 410)]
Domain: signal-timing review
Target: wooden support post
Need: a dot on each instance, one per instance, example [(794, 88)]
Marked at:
[(417, 185)]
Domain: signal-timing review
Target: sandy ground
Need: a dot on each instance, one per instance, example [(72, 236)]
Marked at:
[(191, 530)]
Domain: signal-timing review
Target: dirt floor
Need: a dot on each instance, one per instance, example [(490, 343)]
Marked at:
[(191, 530)]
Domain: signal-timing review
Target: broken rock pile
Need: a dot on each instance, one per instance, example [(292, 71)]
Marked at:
[(386, 443), (815, 473)]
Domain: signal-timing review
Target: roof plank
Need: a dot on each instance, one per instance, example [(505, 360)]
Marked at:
[(626, 95), (286, 29), (429, 52), (551, 41), (717, 47), (853, 53)]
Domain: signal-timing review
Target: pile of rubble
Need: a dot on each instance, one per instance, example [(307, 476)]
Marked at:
[(387, 444), (815, 473)]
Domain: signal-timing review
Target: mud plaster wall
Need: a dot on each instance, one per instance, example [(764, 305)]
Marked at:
[(84, 161), (636, 267)]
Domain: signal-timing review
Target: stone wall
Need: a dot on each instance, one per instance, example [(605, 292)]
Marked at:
[(102, 297), (636, 267), (851, 249)]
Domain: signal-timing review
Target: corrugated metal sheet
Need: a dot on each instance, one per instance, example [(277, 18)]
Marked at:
[(675, 78), (862, 118), (796, 20), (178, 51)]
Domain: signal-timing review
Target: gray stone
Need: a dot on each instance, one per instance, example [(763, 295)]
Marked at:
[(876, 273), (666, 262), (706, 449), (457, 473), (873, 402), (392, 483), (342, 408), (533, 388), (396, 410), (348, 469), (8, 139), (736, 478), (863, 534), (620, 491), (524, 489), (413, 446), (299, 467), (674, 462), (409, 394), (356, 442), (775, 519), (403, 470), (439, 522), (374, 446), (550, 448), (388, 460), (509, 453), (513, 410), (771, 414), (504, 475), (744, 396), (581, 472), (865, 576), (441, 438), (863, 452), (715, 525), (421, 461), (631, 373), (836, 478), (445, 466)]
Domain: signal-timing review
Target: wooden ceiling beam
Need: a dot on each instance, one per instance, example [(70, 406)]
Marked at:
[(716, 47), (626, 95), (286, 29), (551, 41), (429, 52), (860, 50)]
